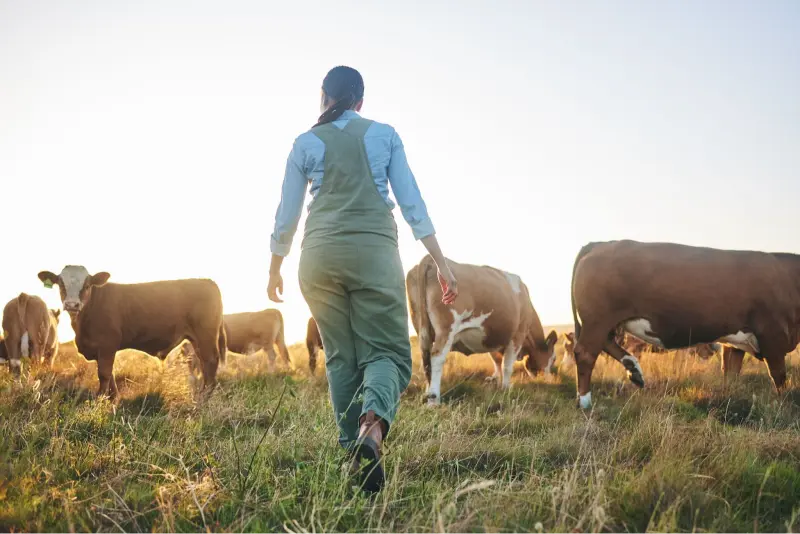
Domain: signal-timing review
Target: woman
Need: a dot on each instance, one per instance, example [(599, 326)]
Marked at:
[(350, 270)]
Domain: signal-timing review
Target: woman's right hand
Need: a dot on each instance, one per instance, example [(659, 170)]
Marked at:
[(449, 286)]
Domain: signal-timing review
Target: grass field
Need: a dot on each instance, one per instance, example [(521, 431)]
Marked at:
[(682, 455)]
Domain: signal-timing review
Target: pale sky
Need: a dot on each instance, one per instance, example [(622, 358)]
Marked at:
[(148, 139)]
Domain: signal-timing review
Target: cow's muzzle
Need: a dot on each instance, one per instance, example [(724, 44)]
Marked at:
[(72, 307)]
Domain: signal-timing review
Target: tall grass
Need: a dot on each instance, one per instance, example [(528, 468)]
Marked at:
[(683, 454)]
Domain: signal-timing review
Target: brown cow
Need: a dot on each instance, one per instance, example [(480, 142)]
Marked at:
[(31, 331), (152, 317), (313, 343), (492, 314), (675, 296), (249, 332)]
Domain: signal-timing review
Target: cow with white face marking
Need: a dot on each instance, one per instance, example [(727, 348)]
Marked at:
[(152, 317), (675, 296), (30, 331), (493, 314)]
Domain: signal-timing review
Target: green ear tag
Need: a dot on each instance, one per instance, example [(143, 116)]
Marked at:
[(48, 284)]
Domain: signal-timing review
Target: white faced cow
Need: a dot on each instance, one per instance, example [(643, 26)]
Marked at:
[(152, 317)]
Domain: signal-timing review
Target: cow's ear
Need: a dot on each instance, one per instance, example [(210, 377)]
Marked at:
[(56, 313), (570, 336), (100, 279), (48, 279), (552, 337)]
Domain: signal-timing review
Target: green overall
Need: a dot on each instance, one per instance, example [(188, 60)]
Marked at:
[(352, 278)]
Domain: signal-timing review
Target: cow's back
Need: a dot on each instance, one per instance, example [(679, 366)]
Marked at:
[(27, 313), (683, 286), (149, 316), (483, 290), (246, 328)]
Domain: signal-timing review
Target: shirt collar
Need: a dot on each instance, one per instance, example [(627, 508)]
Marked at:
[(349, 114)]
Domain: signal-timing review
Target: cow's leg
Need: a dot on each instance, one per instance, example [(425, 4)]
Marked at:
[(312, 357), (732, 359), (776, 364), (439, 352), (587, 348), (496, 358), (629, 361), (271, 357), (208, 354), (509, 358), (13, 348), (105, 372), (193, 364)]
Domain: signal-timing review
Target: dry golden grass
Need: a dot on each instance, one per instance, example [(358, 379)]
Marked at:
[(683, 454)]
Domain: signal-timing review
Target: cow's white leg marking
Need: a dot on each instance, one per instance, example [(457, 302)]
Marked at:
[(640, 329), (509, 357), (496, 374), (437, 365), (632, 366), (23, 345), (585, 401), (743, 341), (514, 281), (461, 322), (550, 363)]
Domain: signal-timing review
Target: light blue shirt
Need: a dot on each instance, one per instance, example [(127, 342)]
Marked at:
[(387, 160)]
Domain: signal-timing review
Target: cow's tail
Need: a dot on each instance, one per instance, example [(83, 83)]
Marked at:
[(222, 343), (425, 327), (22, 311), (280, 339), (583, 252)]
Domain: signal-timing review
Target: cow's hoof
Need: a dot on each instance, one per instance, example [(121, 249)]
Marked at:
[(431, 400), (584, 402), (636, 379), (491, 379)]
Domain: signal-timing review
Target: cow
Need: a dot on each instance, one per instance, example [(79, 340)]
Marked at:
[(674, 296), (249, 332), (151, 317), (30, 331), (313, 343), (492, 314)]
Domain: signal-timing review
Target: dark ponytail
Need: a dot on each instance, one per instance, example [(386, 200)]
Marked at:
[(345, 86)]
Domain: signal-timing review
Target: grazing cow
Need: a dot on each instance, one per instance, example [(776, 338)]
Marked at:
[(492, 314), (31, 331), (249, 332), (152, 317), (675, 296), (313, 344)]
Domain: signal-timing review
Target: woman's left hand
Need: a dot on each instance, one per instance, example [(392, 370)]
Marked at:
[(275, 287)]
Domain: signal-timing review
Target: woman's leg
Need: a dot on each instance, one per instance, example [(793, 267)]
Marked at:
[(379, 322), (330, 306)]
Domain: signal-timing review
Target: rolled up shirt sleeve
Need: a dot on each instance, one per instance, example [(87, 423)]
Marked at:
[(406, 192), (293, 192)]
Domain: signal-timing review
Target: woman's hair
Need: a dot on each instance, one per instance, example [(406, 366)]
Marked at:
[(343, 85)]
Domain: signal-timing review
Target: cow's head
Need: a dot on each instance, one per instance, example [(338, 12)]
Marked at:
[(75, 284), (542, 355)]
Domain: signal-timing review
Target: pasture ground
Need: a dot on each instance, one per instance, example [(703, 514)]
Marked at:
[(682, 455)]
